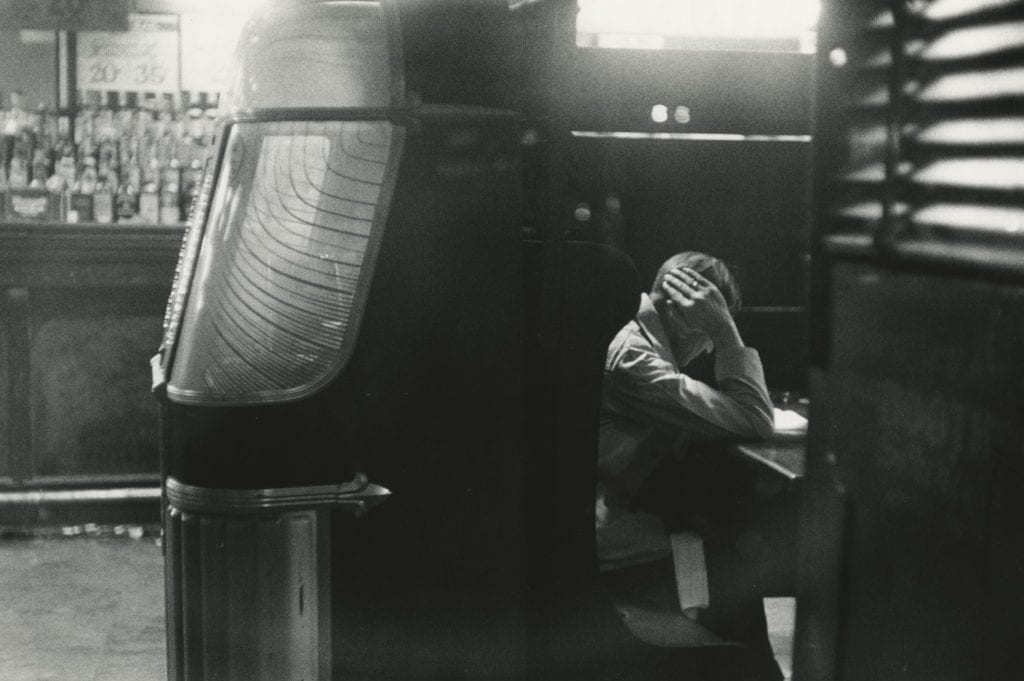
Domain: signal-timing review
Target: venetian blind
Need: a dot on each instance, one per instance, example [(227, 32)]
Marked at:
[(921, 132)]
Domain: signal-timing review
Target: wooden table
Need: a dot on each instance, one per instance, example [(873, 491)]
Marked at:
[(785, 452)]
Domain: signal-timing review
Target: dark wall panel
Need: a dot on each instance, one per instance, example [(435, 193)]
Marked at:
[(5, 383), (725, 92), (921, 420), (92, 413), (27, 68), (745, 202)]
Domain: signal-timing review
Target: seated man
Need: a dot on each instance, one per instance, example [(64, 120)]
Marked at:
[(665, 490)]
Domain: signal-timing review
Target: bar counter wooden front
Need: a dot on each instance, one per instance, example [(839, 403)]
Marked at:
[(80, 315)]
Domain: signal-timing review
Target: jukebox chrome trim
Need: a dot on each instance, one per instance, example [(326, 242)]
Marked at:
[(358, 496)]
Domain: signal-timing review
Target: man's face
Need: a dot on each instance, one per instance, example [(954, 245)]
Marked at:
[(688, 343)]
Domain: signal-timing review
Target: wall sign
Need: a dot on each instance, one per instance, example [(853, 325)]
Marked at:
[(144, 59), (64, 15)]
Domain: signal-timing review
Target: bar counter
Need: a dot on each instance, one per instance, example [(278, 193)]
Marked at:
[(80, 315)]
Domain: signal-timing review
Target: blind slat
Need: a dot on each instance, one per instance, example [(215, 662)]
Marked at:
[(864, 211), (995, 174), (1001, 220), (973, 42), (872, 173), (973, 85), (945, 10), (973, 132)]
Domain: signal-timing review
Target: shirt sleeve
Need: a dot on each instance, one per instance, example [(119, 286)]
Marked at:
[(646, 388)]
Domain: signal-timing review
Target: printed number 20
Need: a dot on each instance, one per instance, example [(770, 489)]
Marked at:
[(103, 73)]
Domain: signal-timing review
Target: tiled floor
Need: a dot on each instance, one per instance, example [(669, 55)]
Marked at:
[(84, 608), (90, 608)]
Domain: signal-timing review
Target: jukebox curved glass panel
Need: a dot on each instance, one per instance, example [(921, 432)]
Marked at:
[(285, 260)]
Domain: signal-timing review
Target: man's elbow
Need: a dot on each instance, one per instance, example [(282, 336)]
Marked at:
[(762, 426)]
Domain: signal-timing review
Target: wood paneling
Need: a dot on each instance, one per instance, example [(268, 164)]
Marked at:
[(80, 315)]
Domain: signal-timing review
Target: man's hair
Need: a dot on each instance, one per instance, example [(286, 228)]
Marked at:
[(713, 269)]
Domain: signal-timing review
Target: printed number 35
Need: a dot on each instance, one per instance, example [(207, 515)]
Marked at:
[(149, 74)]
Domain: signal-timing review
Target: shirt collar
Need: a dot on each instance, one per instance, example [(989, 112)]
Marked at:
[(649, 321)]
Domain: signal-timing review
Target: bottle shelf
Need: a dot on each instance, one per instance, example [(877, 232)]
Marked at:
[(105, 162)]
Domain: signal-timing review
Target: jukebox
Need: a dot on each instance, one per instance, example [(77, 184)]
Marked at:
[(340, 377)]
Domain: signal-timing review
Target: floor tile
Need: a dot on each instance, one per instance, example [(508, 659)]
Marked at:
[(82, 608)]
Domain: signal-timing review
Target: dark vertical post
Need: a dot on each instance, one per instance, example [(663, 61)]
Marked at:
[(19, 354), (72, 54)]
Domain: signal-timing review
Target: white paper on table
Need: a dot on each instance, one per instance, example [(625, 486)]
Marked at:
[(788, 420)]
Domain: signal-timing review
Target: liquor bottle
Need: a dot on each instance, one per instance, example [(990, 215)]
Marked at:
[(48, 130), (128, 151), (170, 201), (171, 173), (40, 168), (87, 150), (151, 169), (106, 153), (149, 204), (106, 136), (186, 151), (64, 153), (16, 119), (134, 175), (127, 201), (84, 119), (103, 124), (68, 209), (80, 204), (145, 150), (144, 115), (123, 113), (34, 123), (103, 196), (89, 178), (160, 119), (55, 184), (163, 149), (21, 160), (178, 125), (3, 187), (7, 135)]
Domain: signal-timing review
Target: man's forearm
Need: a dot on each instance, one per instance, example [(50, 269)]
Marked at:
[(727, 336)]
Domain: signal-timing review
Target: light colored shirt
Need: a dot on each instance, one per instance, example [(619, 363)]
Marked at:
[(650, 407)]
